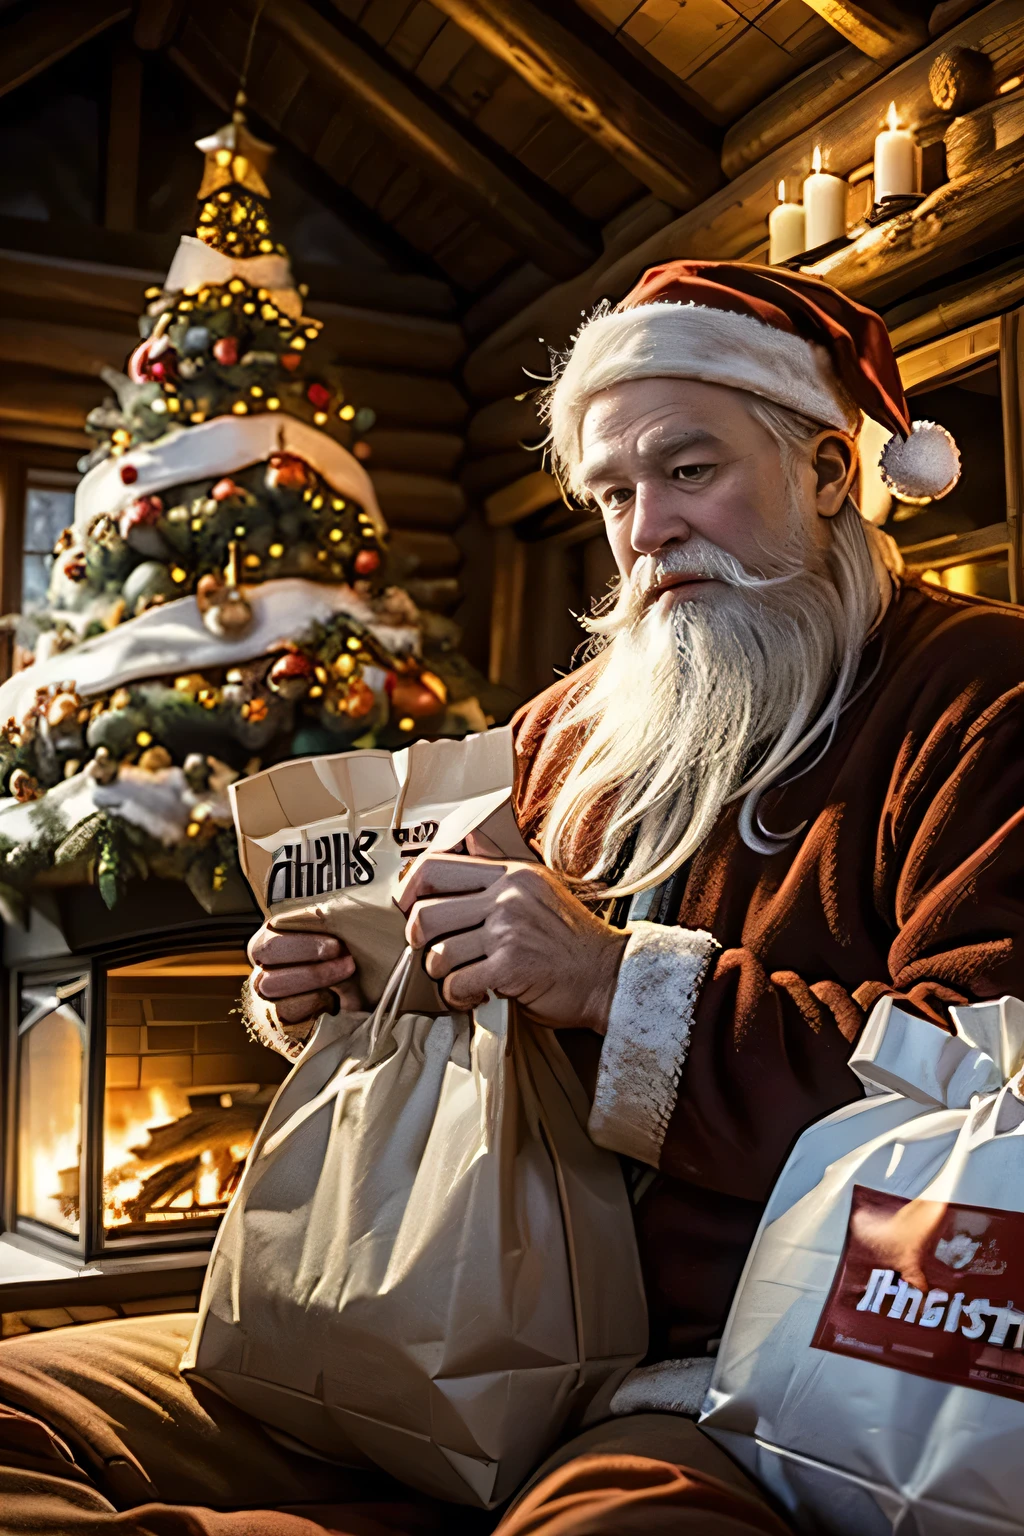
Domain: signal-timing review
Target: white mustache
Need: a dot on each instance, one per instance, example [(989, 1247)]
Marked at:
[(699, 557)]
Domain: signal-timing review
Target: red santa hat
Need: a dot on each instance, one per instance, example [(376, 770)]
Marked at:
[(789, 338)]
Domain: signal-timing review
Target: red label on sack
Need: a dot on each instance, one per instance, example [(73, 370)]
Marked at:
[(933, 1289)]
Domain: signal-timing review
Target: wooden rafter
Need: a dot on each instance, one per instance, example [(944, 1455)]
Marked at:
[(677, 165), (124, 132), (45, 33), (879, 28), (497, 193), (156, 22)]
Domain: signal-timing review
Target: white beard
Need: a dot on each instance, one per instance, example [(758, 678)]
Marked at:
[(699, 701)]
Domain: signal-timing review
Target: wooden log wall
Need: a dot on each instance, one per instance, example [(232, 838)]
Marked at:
[(973, 215)]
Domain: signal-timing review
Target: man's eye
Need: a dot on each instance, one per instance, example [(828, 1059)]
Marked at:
[(619, 497), (693, 474)]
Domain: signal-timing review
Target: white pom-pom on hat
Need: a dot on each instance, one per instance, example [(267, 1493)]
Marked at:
[(923, 467)]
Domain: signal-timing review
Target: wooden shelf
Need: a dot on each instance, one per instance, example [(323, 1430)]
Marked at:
[(967, 218), (957, 548)]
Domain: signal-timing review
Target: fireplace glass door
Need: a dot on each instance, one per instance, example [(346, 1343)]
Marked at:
[(186, 1090), (50, 1081)]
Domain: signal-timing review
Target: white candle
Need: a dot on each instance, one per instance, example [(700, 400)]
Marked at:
[(895, 159), (786, 236), (824, 205)]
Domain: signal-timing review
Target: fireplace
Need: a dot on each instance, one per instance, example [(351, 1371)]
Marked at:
[(134, 1097)]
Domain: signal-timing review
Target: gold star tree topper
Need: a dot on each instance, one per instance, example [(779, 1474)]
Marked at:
[(234, 156)]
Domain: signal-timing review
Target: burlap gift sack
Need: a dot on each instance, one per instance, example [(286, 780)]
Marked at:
[(872, 1371), (428, 1265)]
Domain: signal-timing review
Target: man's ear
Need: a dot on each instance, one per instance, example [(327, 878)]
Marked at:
[(835, 468)]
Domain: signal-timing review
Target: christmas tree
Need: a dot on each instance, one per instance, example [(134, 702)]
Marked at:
[(225, 597)]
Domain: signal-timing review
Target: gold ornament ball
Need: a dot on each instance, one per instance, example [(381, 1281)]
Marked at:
[(155, 758)]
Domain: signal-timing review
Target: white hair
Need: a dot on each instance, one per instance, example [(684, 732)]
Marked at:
[(695, 704)]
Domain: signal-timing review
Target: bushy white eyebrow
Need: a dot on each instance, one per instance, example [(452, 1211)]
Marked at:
[(658, 446)]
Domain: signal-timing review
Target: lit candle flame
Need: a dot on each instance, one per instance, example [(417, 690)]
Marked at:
[(782, 191), (816, 158), (892, 117)]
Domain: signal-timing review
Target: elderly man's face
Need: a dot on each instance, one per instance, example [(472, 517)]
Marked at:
[(665, 459)]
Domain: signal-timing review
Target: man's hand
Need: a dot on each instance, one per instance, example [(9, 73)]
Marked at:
[(302, 974), (495, 925)]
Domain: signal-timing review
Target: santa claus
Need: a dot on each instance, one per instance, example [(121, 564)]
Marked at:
[(787, 782)]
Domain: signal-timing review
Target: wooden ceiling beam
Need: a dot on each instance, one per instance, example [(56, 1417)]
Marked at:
[(156, 22), (660, 151), (880, 28), (501, 195), (43, 34)]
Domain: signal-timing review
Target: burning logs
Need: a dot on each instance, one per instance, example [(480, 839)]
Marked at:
[(199, 1155)]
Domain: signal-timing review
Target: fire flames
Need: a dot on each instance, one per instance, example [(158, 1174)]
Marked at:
[(165, 1161), (54, 1181)]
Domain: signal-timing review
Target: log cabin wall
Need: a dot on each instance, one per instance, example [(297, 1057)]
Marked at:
[(458, 180)]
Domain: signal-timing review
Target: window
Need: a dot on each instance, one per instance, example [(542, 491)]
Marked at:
[(969, 540), (51, 1064), (49, 509)]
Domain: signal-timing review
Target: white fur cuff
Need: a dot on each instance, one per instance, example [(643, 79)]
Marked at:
[(662, 972)]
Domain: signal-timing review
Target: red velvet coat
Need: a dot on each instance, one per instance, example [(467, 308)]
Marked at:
[(908, 879)]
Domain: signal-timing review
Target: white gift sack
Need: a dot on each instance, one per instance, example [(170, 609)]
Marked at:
[(871, 1374)]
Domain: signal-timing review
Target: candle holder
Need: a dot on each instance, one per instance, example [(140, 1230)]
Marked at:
[(818, 253), (892, 205)]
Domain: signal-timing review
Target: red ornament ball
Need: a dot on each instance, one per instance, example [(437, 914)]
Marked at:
[(366, 562), (359, 700), (287, 472), (160, 370), (225, 350), (291, 674), (129, 474), (290, 360), (319, 396), (224, 488), (147, 509), (411, 697)]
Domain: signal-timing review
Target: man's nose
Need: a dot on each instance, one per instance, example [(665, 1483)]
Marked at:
[(656, 518)]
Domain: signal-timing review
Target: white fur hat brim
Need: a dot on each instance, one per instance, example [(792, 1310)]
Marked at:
[(692, 341)]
